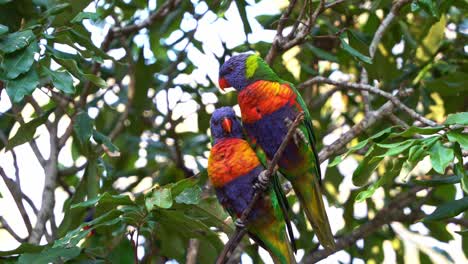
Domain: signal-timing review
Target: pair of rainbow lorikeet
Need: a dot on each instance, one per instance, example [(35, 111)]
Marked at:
[(268, 106)]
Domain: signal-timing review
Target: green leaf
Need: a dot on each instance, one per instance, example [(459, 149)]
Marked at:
[(85, 15), (98, 81), (56, 9), (61, 80), (4, 1), (106, 198), (455, 83), (20, 61), (23, 248), (23, 85), (411, 131), (455, 136), (449, 209), (49, 255), (440, 157), (458, 118), (460, 168), (103, 139), (161, 197), (367, 166), (438, 180), (26, 132), (3, 29), (398, 148), (15, 41), (386, 178), (322, 54), (73, 237), (241, 6), (353, 52), (83, 127), (190, 195)]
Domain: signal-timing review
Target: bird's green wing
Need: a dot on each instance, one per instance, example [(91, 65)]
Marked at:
[(308, 127)]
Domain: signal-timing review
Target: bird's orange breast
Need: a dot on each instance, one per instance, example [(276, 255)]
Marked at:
[(229, 159)]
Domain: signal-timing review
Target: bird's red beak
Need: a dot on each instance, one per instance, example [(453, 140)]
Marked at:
[(227, 125), (223, 83)]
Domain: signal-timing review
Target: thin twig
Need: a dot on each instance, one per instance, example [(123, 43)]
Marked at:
[(374, 90), (10, 230), (240, 232), (17, 195)]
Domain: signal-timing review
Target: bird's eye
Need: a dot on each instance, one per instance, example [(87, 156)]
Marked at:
[(230, 69)]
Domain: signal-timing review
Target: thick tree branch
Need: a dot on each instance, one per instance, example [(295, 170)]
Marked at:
[(356, 130), (240, 232), (48, 195)]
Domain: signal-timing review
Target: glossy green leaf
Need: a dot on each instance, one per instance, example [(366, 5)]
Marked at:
[(83, 127), (398, 149), (438, 180), (85, 15), (16, 40), (61, 80), (461, 138), (458, 118), (190, 195), (24, 85), (418, 130), (440, 157), (50, 255), (353, 52), (367, 166), (106, 198), (103, 139), (20, 61), (460, 168), (448, 209), (56, 9), (161, 197)]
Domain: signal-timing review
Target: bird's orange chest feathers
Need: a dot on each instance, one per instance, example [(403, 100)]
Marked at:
[(229, 159), (262, 98)]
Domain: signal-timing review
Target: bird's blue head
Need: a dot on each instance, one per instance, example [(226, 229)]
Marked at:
[(224, 124), (233, 73)]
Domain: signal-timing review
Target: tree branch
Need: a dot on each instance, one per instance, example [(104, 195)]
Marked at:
[(390, 213), (10, 230), (160, 13), (48, 195), (240, 232), (356, 130), (374, 90), (17, 195)]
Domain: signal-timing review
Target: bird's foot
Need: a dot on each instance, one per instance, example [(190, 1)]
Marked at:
[(298, 136), (262, 181), (239, 224)]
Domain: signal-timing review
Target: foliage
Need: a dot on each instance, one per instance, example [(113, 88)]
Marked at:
[(135, 125)]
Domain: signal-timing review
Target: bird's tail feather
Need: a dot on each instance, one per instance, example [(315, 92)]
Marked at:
[(276, 242), (312, 202)]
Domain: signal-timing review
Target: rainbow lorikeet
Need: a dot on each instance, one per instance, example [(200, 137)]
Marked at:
[(268, 106), (233, 167)]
